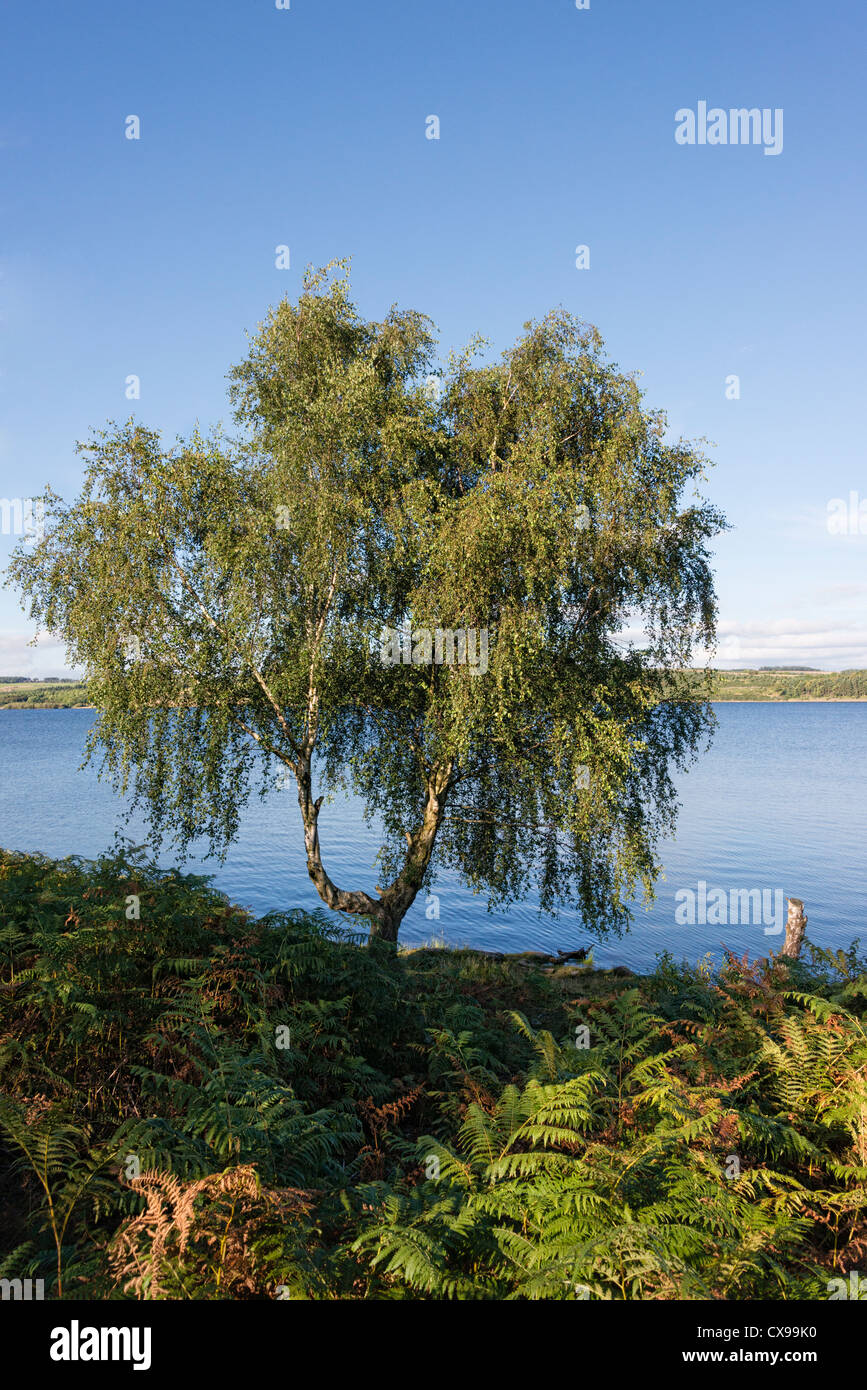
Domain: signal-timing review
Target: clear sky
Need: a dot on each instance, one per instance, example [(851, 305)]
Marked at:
[(306, 127)]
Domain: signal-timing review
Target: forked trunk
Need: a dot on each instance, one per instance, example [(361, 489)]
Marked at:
[(385, 914)]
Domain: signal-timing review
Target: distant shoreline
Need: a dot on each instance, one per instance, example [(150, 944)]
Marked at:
[(736, 700), (28, 709), (799, 700)]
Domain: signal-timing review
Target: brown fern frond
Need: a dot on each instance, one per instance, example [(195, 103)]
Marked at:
[(235, 1207)]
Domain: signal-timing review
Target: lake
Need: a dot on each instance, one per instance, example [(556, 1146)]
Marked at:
[(777, 807)]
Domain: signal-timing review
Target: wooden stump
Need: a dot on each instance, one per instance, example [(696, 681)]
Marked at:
[(795, 927)]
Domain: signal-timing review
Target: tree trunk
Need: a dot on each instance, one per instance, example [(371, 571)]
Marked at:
[(331, 895), (795, 927), (385, 914), (385, 928)]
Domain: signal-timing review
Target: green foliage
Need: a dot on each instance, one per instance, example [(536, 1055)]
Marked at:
[(435, 1126)]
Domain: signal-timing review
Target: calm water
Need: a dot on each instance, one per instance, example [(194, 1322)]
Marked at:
[(778, 804)]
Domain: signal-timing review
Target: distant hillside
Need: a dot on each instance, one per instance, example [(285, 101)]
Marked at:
[(765, 685), (790, 685), (26, 694)]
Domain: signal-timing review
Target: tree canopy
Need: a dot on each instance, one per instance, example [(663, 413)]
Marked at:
[(227, 598)]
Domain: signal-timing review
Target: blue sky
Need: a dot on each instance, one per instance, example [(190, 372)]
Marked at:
[(306, 127)]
